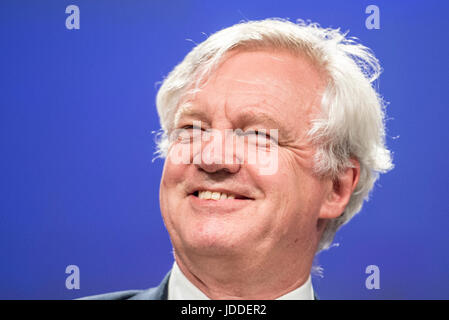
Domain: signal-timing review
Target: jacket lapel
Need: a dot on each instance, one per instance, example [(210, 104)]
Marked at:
[(157, 293)]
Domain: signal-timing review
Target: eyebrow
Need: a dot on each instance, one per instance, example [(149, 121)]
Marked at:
[(257, 117), (187, 110)]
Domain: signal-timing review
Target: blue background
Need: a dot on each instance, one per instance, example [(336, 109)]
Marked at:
[(77, 181)]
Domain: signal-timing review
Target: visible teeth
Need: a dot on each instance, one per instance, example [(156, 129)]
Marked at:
[(208, 195), (215, 195)]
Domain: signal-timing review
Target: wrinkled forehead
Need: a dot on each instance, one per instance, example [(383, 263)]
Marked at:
[(275, 78)]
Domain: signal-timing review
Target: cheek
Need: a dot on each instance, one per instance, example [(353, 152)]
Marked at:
[(172, 185), (285, 179), (171, 192), (173, 172), (294, 188)]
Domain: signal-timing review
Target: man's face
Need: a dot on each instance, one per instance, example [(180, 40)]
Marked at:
[(272, 215)]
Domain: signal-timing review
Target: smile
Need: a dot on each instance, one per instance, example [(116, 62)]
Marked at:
[(217, 195), (218, 202)]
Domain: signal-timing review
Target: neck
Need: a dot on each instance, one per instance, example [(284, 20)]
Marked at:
[(243, 278)]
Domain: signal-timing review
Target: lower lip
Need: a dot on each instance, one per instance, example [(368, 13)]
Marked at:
[(218, 206)]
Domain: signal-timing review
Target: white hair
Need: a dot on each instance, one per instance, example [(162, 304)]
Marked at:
[(351, 124)]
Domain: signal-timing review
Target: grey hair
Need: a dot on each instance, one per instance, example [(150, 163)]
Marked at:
[(352, 120)]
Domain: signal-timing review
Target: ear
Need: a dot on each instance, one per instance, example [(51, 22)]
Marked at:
[(340, 192)]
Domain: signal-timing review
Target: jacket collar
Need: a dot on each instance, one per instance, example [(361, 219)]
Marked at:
[(157, 293), (161, 292)]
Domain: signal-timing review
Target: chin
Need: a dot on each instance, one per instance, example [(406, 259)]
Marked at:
[(213, 242)]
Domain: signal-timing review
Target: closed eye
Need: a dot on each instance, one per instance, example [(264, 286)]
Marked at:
[(256, 132), (189, 126), (259, 133)]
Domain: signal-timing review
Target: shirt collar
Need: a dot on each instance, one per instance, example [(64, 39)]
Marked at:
[(180, 288)]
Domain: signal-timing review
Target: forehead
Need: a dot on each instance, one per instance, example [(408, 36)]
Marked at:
[(287, 87)]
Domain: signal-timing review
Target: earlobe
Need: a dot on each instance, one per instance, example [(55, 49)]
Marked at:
[(340, 192)]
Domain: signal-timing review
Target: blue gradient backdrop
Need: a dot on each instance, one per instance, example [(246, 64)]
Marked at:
[(77, 181)]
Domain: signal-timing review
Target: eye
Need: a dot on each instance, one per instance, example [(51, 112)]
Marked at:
[(187, 134), (256, 132), (259, 135), (190, 126)]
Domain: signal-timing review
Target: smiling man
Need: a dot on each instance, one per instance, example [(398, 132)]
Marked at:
[(294, 97)]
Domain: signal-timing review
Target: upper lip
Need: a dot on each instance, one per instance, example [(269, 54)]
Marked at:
[(238, 192)]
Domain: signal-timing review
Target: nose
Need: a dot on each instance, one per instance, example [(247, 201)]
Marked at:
[(217, 154)]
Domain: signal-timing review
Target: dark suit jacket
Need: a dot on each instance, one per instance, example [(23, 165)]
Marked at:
[(157, 293)]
